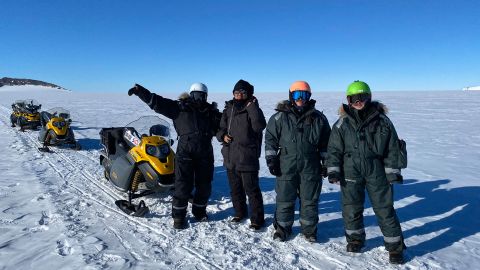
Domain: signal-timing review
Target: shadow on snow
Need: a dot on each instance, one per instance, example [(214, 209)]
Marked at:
[(90, 144), (449, 215)]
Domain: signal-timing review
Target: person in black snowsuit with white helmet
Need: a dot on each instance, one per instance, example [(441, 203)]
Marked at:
[(196, 122)]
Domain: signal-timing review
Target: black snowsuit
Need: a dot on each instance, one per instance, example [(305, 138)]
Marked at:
[(363, 152), (300, 141), (195, 124), (240, 157)]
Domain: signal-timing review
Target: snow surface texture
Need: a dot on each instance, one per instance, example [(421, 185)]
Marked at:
[(57, 211)]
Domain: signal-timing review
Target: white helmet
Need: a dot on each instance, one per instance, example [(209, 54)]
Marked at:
[(200, 87)]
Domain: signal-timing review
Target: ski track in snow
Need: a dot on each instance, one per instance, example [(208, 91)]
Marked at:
[(90, 232), (72, 167)]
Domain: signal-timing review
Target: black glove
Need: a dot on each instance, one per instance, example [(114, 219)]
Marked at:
[(135, 89), (394, 178), (141, 92), (323, 169), (273, 164), (334, 178)]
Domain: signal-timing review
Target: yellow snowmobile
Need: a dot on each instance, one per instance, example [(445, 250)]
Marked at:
[(56, 129), (25, 114), (138, 159)]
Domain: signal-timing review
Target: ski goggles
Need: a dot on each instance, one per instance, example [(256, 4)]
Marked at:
[(240, 92), (303, 95), (198, 96), (358, 98)]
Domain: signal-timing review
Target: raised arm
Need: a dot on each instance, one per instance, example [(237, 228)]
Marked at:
[(159, 104)]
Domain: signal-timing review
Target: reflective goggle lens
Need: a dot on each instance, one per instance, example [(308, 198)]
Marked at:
[(303, 95), (358, 98), (198, 96)]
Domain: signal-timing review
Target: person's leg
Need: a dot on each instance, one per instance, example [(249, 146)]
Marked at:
[(255, 199), (380, 193), (353, 199), (238, 194), (183, 188), (203, 167), (286, 188), (309, 193)]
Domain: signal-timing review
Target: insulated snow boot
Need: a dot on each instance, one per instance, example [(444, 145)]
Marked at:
[(179, 223), (354, 247), (312, 238), (280, 235), (201, 218), (236, 219), (255, 227), (396, 257)]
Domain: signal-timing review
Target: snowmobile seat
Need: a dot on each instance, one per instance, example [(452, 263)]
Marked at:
[(112, 139)]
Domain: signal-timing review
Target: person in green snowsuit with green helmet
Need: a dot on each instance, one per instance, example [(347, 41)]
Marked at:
[(296, 142), (364, 152)]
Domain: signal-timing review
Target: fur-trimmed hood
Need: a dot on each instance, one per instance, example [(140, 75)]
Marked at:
[(185, 97), (380, 107)]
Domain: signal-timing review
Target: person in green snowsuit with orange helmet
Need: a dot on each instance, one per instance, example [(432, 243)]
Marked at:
[(296, 142)]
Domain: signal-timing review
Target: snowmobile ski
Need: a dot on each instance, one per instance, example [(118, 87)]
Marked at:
[(77, 147), (128, 208), (45, 149)]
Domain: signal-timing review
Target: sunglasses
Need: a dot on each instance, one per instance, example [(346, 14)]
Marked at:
[(240, 92), (303, 95), (358, 98)]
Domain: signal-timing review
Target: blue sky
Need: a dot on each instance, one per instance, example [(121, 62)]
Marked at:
[(107, 45)]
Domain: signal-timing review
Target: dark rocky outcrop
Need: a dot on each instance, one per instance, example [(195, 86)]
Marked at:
[(5, 81)]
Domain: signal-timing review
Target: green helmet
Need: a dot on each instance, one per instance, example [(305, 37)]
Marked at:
[(358, 87)]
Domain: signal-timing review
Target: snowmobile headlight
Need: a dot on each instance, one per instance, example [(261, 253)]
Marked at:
[(55, 124), (164, 149), (62, 123), (161, 151), (151, 150)]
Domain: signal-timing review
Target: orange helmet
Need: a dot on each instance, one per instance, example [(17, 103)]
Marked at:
[(300, 86)]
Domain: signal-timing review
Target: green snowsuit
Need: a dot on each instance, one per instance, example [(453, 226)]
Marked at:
[(300, 140), (364, 150)]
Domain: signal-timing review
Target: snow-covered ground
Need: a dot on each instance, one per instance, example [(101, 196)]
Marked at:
[(57, 211)]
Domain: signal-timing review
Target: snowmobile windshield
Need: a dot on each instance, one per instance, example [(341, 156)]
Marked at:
[(20, 103), (59, 112), (151, 126), (32, 105), (27, 105)]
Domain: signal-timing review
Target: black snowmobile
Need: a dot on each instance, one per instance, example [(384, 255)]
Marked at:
[(25, 114), (138, 158)]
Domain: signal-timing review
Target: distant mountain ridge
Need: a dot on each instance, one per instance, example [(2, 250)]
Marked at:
[(5, 81)]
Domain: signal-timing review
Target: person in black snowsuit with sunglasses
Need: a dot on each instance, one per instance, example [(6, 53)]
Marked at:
[(196, 121), (240, 132)]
